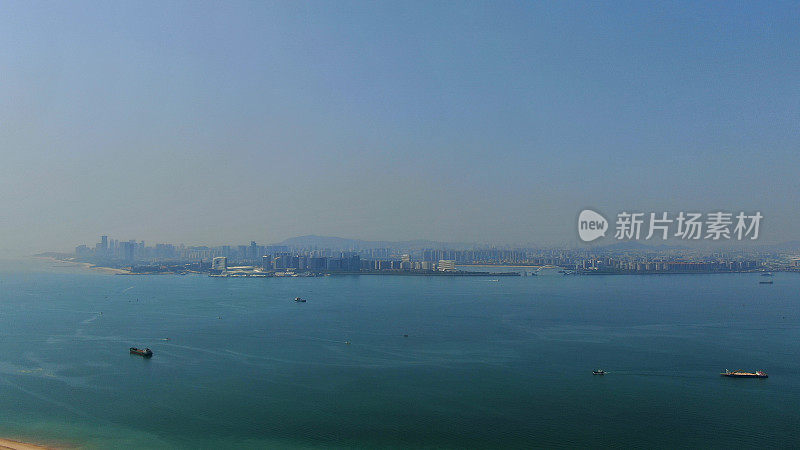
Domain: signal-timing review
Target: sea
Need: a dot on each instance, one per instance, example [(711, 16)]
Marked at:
[(377, 361)]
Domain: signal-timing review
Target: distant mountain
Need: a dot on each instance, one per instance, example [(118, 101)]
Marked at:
[(338, 243)]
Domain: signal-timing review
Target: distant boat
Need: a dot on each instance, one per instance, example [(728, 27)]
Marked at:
[(147, 353), (599, 372), (765, 282), (767, 274), (743, 374), (299, 300)]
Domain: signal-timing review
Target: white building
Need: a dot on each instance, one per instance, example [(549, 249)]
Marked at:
[(220, 263), (447, 265)]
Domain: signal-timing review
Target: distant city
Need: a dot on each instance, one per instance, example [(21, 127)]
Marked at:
[(305, 257)]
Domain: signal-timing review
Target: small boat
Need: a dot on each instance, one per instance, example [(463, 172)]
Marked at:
[(299, 300), (765, 282), (743, 374), (598, 372), (766, 274), (147, 353)]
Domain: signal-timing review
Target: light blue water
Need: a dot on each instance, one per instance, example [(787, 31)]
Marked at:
[(485, 364)]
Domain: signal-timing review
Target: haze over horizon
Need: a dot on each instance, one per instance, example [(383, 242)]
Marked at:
[(203, 122)]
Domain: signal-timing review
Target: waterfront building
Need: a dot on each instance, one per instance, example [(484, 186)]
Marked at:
[(219, 264), (282, 260), (447, 265)]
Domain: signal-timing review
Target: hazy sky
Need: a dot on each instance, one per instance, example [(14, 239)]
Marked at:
[(462, 121)]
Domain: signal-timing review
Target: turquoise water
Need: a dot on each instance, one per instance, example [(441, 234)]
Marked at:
[(486, 364)]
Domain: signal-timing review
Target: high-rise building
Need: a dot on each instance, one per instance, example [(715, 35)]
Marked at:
[(282, 260), (127, 249), (101, 249)]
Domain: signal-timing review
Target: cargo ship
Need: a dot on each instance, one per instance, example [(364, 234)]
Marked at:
[(743, 374), (147, 353)]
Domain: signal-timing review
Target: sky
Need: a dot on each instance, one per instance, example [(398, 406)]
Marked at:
[(492, 122)]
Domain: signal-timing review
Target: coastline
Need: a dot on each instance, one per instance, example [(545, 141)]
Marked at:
[(17, 445), (109, 270), (510, 266)]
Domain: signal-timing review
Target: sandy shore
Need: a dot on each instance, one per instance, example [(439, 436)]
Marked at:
[(104, 269), (85, 265), (16, 445)]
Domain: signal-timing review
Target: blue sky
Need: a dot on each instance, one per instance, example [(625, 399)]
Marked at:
[(463, 121)]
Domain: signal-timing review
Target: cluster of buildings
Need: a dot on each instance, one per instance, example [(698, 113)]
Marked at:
[(130, 251), (253, 254), (256, 259), (288, 264), (643, 265)]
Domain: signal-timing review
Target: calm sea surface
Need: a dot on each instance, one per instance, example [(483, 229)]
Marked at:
[(486, 364)]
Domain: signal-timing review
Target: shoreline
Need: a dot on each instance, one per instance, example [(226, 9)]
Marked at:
[(117, 271), (85, 265), (18, 445), (511, 266)]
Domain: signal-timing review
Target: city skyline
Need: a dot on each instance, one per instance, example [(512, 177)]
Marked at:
[(308, 257), (316, 242), (121, 249)]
